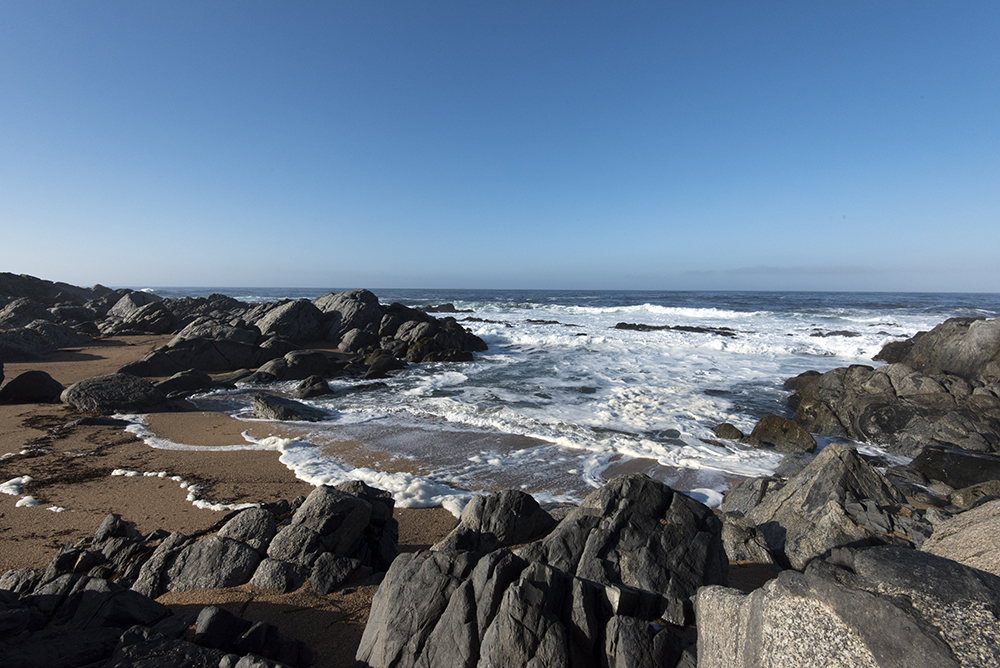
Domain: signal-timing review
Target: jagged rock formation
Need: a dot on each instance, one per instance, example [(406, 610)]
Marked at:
[(633, 553)]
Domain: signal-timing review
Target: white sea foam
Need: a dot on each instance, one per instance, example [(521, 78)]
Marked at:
[(27, 502), (15, 486)]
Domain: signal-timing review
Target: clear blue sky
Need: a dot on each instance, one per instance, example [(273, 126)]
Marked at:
[(485, 143)]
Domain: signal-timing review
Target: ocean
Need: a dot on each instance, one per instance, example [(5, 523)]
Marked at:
[(564, 399)]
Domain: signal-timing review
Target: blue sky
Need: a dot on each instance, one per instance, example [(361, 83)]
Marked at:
[(486, 144)]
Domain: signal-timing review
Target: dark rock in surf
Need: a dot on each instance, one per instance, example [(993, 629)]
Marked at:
[(940, 388), (957, 468), (728, 432), (313, 386), (774, 431), (186, 383), (31, 387), (271, 407)]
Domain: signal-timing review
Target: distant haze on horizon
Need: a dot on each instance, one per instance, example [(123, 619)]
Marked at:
[(781, 145)]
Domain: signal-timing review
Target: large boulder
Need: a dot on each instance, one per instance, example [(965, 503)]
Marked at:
[(22, 311), (298, 321), (969, 538), (504, 519), (150, 318), (115, 393), (272, 407), (356, 309), (965, 347), (774, 431), (31, 387), (880, 607), (898, 407), (212, 563), (837, 500), (636, 551), (642, 534)]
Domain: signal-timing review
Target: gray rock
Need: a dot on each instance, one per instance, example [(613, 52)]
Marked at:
[(743, 542), (313, 386), (151, 318), (969, 538), (747, 494), (31, 387), (115, 393), (271, 407), (338, 518), (358, 341), (330, 571), (153, 575), (206, 327), (279, 575), (21, 312), (298, 545), (639, 533), (728, 432), (498, 520), (212, 563), (298, 321), (967, 496), (145, 648), (131, 303), (253, 526), (357, 309), (882, 606), (807, 516), (774, 431), (956, 468), (186, 383)]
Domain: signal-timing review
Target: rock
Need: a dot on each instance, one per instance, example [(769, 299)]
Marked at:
[(956, 468), (145, 648), (357, 309), (254, 527), (809, 515), (936, 390), (458, 609), (298, 365), (313, 386), (969, 538), (783, 435), (960, 346), (279, 575), (21, 312), (743, 542), (330, 571), (746, 494), (357, 342), (186, 383), (627, 534), (882, 606), (206, 327), (212, 563), (968, 496), (131, 303), (298, 321), (728, 432), (115, 393), (498, 520), (151, 318), (296, 545), (338, 518), (31, 387), (271, 407), (45, 292)]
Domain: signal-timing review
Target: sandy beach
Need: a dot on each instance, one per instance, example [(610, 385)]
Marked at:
[(71, 469)]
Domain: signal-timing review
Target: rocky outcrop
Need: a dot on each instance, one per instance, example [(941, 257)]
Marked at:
[(940, 388), (837, 500), (582, 596), (880, 607), (93, 603)]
